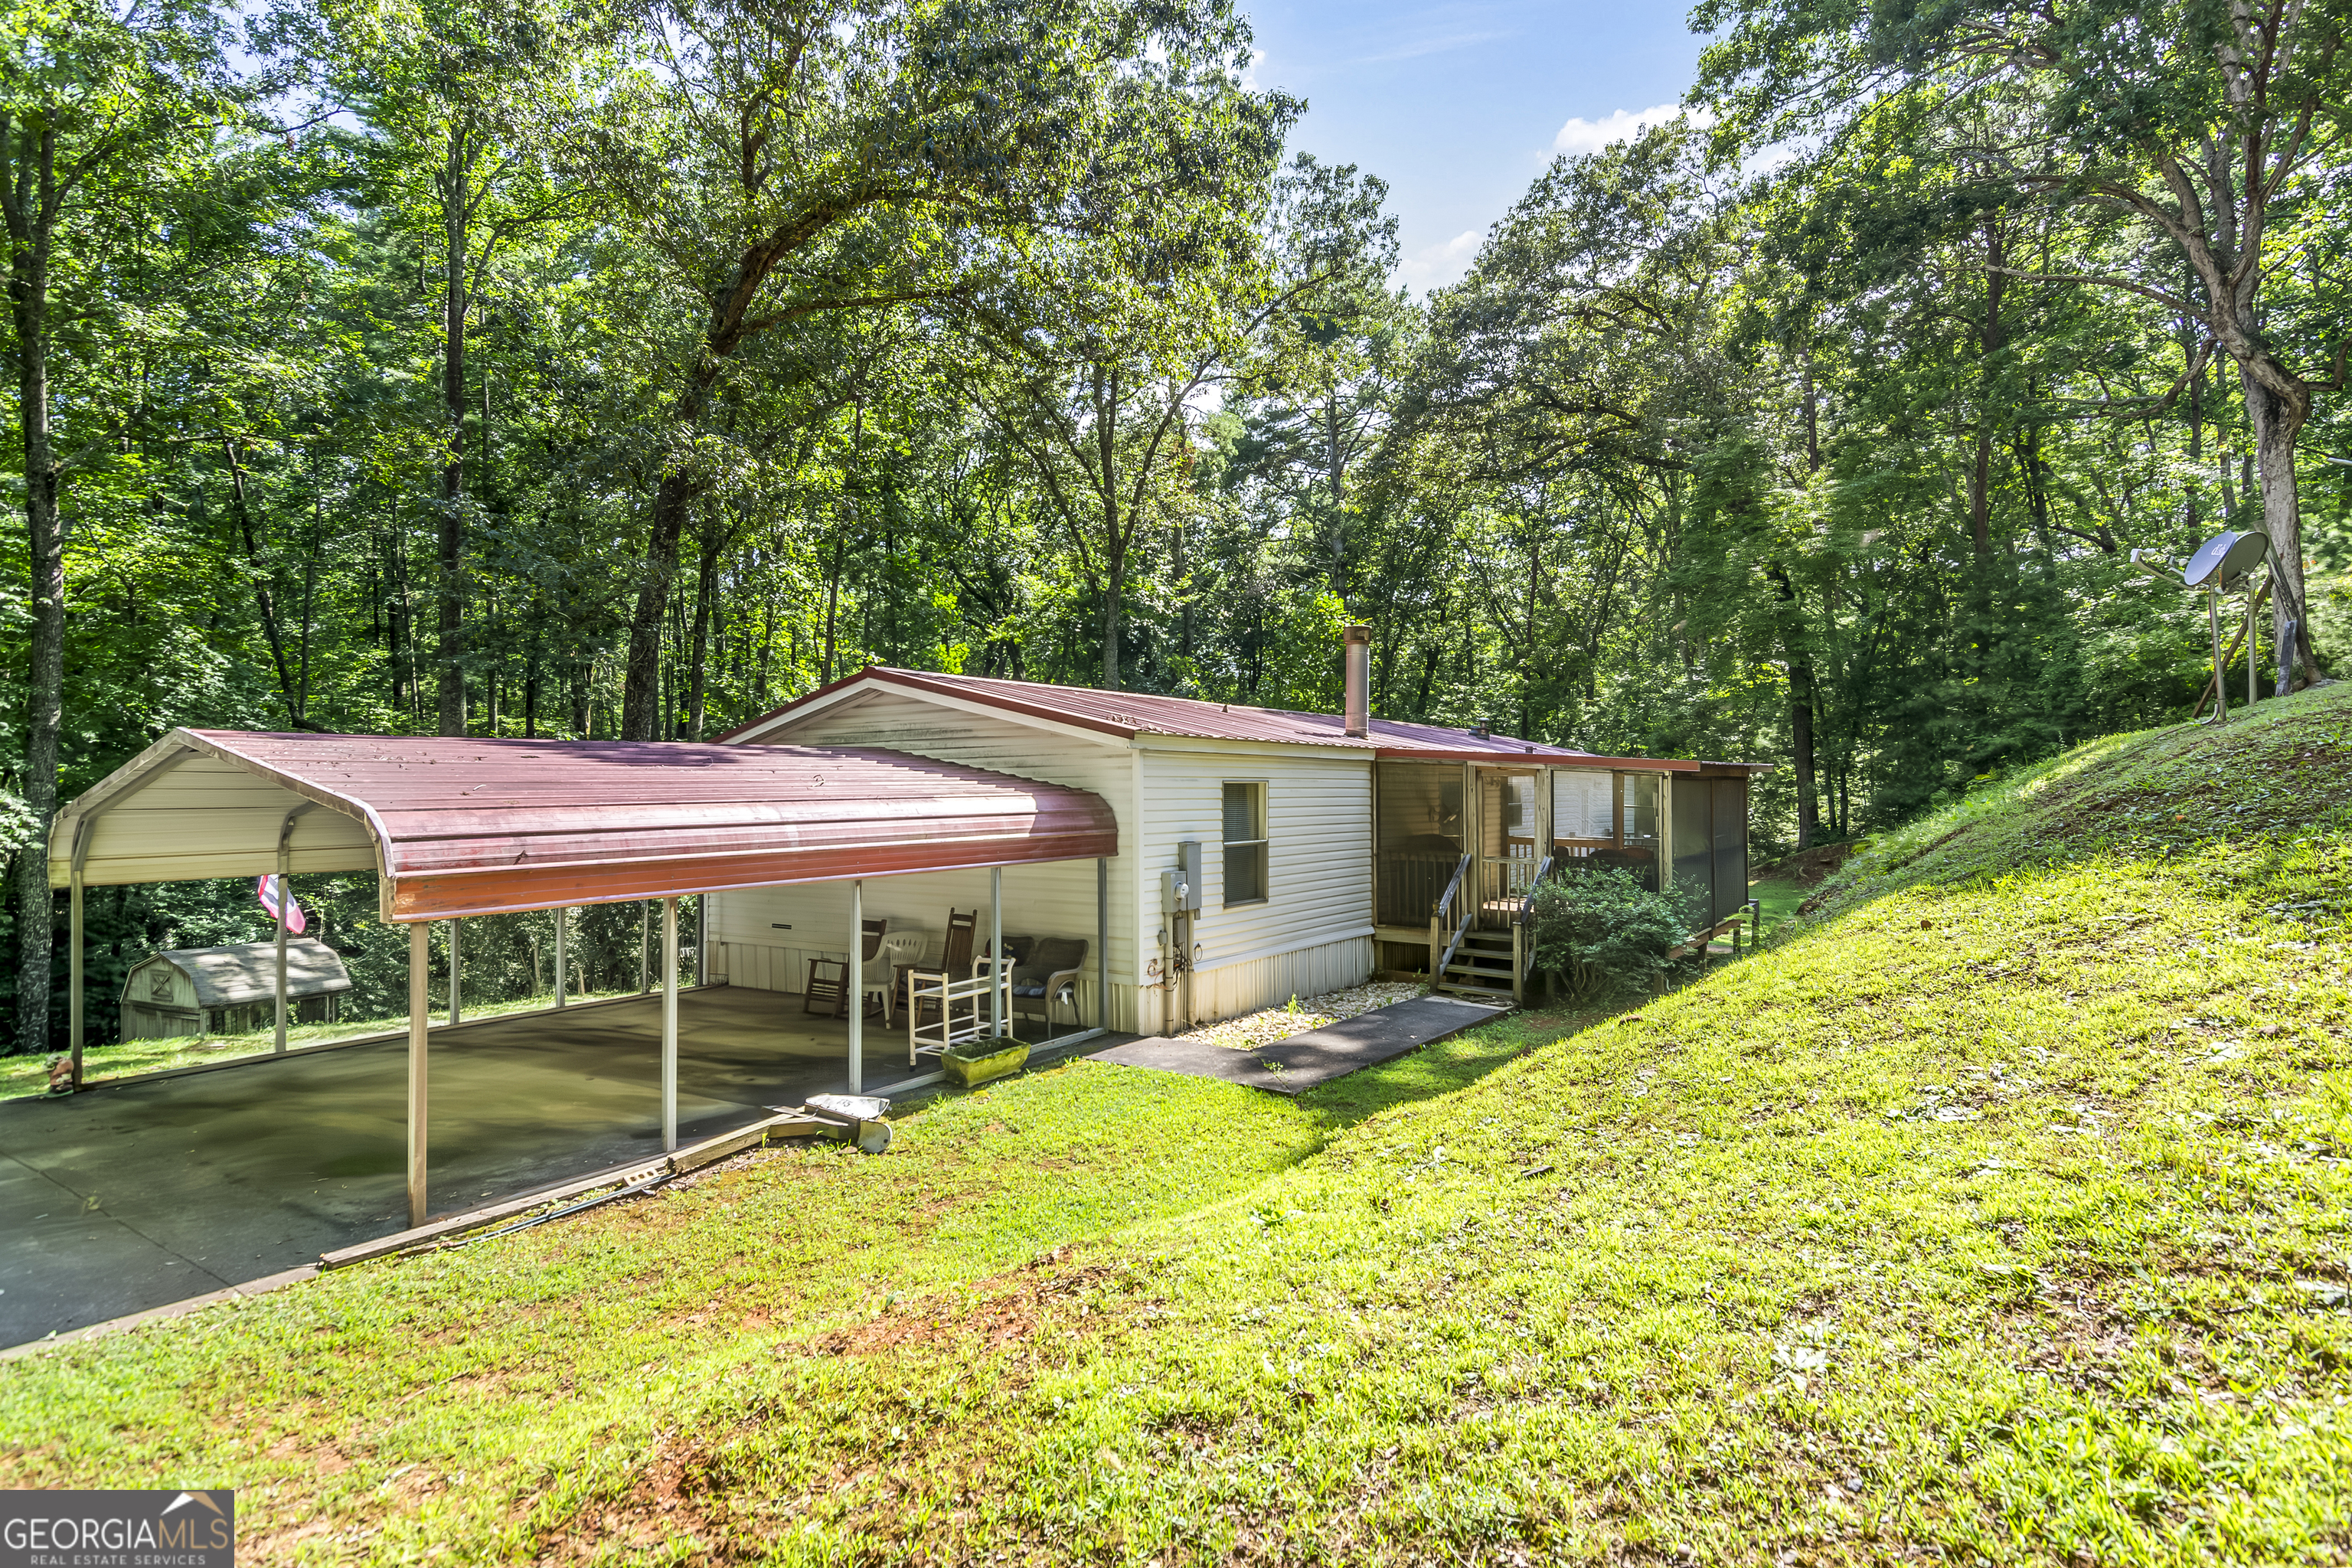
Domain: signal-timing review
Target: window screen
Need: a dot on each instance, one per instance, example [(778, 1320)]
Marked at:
[(1579, 805), (1244, 843)]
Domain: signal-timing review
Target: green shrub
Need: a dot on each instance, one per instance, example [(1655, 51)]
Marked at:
[(1601, 932)]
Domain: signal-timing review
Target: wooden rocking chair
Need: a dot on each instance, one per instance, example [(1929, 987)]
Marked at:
[(955, 964), (828, 978)]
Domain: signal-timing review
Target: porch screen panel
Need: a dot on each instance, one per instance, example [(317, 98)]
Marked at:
[(1730, 846), (1418, 842), (1694, 813), (1639, 827)]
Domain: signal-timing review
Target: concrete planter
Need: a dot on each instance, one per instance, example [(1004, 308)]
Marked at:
[(971, 1064)]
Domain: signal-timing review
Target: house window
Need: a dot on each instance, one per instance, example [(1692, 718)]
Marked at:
[(1245, 844)]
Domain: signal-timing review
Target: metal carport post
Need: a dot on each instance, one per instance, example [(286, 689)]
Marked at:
[(670, 1026), (419, 956)]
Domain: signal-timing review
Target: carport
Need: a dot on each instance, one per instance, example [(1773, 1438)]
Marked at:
[(458, 827)]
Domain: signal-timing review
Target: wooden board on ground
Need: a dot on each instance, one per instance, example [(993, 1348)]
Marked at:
[(1303, 1061)]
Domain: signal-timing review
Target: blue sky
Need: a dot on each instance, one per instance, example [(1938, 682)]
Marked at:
[(1458, 106)]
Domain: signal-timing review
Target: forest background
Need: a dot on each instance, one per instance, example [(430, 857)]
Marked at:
[(625, 368)]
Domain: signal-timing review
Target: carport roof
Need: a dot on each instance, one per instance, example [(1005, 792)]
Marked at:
[(457, 826)]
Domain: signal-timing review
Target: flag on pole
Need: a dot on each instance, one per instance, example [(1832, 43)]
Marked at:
[(296, 921)]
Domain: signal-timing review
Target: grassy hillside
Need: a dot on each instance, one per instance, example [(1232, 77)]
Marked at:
[(1996, 1212)]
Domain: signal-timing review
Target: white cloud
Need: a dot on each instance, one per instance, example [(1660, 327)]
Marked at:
[(1435, 265), (1580, 136)]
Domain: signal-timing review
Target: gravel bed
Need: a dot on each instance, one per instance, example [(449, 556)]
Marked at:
[(1302, 1015)]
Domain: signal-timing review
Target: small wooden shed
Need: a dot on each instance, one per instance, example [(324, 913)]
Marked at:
[(229, 990)]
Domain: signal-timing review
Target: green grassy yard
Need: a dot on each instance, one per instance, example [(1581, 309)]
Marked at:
[(1996, 1212), (1778, 901)]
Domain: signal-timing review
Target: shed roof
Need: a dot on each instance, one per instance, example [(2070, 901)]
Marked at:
[(247, 970), (458, 827), (1127, 714)]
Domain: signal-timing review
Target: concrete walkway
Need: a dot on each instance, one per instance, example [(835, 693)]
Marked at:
[(1299, 1062), (127, 1197)]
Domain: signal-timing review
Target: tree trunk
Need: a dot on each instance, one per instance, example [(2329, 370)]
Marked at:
[(1801, 741), (1114, 549), (28, 288), (1114, 589), (451, 714), (1800, 710), (641, 687), (2277, 422), (833, 604), (1991, 338), (705, 584), (241, 507)]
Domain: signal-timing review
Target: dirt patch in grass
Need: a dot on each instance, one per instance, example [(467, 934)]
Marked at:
[(993, 1315), (666, 1508)]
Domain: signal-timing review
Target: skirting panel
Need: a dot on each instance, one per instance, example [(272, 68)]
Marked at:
[(1233, 989)]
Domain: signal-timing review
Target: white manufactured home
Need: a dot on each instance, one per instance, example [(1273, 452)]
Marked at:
[(1147, 862), (1262, 853)]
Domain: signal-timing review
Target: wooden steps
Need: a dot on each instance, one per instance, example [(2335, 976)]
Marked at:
[(1481, 969)]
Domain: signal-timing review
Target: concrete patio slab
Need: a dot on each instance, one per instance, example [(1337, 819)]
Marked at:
[(1300, 1062), (129, 1196)]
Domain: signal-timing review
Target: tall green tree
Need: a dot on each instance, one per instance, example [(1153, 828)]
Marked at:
[(450, 99), (108, 116), (2207, 121), (790, 159)]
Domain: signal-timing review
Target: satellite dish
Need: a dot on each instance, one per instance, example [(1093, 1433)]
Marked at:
[(2222, 560)]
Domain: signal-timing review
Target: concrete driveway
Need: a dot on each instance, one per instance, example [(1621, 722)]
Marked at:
[(127, 1197)]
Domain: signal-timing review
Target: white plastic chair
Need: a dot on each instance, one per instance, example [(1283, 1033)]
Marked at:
[(899, 950)]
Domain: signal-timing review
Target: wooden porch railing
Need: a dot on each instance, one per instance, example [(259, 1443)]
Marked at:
[(1523, 947), (1448, 918), (1503, 883)]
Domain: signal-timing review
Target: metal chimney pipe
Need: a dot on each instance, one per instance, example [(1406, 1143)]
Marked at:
[(1360, 681)]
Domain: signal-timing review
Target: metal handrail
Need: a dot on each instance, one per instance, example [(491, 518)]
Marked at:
[(1523, 950)]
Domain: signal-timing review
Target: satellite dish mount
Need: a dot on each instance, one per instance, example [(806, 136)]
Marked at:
[(2221, 566)]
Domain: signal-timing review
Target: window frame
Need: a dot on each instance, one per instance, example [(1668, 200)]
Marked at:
[(1262, 844)]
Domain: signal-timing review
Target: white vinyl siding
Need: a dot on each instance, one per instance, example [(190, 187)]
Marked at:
[(1311, 933), (1231, 989), (1319, 818), (1053, 899)]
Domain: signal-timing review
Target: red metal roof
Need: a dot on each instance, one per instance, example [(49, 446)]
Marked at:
[(1131, 713), (484, 826)]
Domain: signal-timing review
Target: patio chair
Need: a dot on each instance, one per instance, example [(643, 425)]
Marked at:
[(828, 977), (899, 950), (1049, 975), (1016, 951), (955, 964)]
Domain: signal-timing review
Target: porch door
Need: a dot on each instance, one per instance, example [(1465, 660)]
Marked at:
[(1508, 835)]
